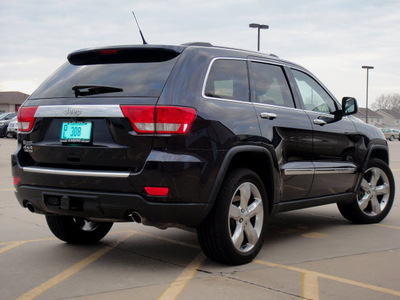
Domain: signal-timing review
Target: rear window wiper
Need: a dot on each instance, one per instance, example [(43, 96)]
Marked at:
[(87, 90)]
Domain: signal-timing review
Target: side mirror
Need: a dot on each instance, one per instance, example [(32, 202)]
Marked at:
[(349, 106)]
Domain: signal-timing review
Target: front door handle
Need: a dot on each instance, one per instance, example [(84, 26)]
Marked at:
[(269, 116), (319, 122)]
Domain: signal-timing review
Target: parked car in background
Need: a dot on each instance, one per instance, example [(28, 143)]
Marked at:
[(12, 128), (397, 132), (4, 120), (391, 134)]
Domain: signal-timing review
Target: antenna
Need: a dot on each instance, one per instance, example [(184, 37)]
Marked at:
[(140, 31)]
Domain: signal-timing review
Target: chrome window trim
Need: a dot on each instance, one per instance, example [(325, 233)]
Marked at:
[(58, 111), (274, 106), (69, 172)]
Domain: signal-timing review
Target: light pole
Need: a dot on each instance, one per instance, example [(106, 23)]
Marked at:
[(368, 68), (259, 27)]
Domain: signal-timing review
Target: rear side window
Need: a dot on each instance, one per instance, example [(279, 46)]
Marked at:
[(270, 85), (117, 78), (228, 79)]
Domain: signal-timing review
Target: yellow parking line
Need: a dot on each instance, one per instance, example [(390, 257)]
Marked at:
[(6, 190), (309, 286), (15, 244), (11, 246), (52, 282), (330, 277), (179, 284), (388, 226)]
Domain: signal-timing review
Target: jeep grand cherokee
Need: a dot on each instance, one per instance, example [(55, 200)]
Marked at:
[(194, 136)]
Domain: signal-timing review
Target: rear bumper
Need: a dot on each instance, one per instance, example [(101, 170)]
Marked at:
[(114, 195), (109, 206)]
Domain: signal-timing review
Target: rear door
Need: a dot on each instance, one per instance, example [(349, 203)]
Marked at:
[(286, 129)]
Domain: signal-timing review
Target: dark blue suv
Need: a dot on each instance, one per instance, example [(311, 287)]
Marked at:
[(194, 136)]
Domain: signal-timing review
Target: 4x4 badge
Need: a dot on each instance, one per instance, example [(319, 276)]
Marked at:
[(72, 111)]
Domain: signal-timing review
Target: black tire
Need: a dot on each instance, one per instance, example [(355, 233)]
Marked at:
[(391, 138), (77, 230), (375, 195), (236, 221)]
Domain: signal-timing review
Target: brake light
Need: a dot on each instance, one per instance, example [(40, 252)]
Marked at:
[(160, 119), (108, 51), (26, 118)]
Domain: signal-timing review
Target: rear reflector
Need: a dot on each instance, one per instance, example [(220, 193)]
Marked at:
[(26, 118), (157, 191), (15, 180), (160, 119)]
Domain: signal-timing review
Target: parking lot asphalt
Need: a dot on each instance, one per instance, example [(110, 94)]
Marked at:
[(308, 254)]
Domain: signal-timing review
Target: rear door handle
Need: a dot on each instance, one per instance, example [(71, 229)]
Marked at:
[(269, 116)]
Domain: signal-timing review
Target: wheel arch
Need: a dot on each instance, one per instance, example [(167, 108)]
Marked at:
[(255, 158), (377, 151)]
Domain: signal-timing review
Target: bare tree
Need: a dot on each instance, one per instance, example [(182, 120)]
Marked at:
[(387, 101)]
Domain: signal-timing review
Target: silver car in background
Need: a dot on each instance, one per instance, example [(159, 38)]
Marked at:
[(391, 134), (12, 128)]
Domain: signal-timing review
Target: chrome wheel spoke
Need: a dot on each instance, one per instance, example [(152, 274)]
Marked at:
[(375, 175), (363, 202), (382, 189), (234, 212), (245, 194), (376, 206), (238, 235), (365, 185), (251, 233), (255, 208)]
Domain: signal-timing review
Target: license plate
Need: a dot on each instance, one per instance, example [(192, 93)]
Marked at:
[(76, 132)]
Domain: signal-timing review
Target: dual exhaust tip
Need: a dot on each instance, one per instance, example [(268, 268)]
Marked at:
[(30, 207), (135, 216)]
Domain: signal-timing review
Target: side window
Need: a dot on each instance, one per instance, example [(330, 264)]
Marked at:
[(315, 98), (270, 85), (228, 79)]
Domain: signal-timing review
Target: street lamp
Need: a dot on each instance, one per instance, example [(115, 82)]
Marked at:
[(259, 27), (368, 68)]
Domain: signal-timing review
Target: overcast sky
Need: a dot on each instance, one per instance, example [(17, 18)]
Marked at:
[(331, 38)]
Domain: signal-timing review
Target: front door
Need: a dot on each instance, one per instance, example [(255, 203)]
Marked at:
[(334, 139)]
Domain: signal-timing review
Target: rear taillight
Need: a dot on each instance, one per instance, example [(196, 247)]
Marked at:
[(160, 119), (26, 118)]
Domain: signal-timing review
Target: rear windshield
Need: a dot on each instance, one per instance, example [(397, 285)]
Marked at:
[(132, 79)]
